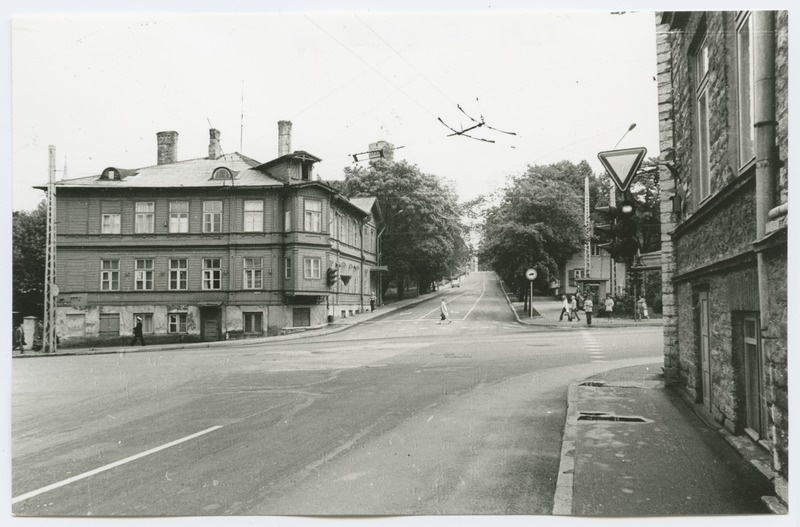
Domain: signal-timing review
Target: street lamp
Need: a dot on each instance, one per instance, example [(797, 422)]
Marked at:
[(631, 127)]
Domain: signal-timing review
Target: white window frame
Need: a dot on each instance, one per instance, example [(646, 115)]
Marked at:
[(178, 274), (312, 214), (143, 273), (212, 216), (253, 273), (176, 323), (745, 75), (178, 218), (109, 275), (148, 327), (212, 274), (145, 220), (111, 223), (312, 268), (701, 68), (253, 220)]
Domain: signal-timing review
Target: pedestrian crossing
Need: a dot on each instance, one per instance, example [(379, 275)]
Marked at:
[(594, 350)]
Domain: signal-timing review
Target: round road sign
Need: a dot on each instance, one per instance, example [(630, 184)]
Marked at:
[(530, 274)]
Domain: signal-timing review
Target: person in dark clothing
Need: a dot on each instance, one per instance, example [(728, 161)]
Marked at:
[(19, 339), (137, 332)]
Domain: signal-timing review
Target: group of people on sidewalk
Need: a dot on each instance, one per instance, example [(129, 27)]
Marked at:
[(573, 304)]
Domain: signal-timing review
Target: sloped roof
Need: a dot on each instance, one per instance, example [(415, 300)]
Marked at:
[(190, 173)]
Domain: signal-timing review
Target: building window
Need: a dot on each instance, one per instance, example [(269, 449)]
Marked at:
[(252, 273), (287, 220), (76, 325), (109, 275), (147, 321), (179, 216), (212, 216), (178, 274), (311, 268), (253, 215), (145, 217), (287, 268), (701, 62), (301, 317), (176, 322), (252, 323), (212, 273), (574, 275), (744, 44), (111, 224), (109, 325), (595, 249), (143, 275), (313, 215)]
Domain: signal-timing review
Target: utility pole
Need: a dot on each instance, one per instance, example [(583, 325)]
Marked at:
[(612, 201), (50, 287), (587, 231)]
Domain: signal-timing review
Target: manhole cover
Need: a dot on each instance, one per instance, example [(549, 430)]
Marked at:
[(607, 417)]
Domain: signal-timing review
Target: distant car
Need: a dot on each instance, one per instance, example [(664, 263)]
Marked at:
[(455, 283)]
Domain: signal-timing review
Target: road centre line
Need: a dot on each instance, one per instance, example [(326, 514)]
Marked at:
[(104, 468), (437, 308), (476, 302)]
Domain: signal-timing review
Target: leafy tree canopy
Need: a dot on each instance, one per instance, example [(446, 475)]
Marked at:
[(29, 233)]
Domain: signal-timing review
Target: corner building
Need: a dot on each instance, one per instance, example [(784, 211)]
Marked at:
[(723, 112), (211, 248)]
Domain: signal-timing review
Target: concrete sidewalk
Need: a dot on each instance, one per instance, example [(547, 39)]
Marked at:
[(549, 310), (632, 447), (328, 329)]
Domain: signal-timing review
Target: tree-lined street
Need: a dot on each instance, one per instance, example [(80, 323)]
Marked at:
[(400, 415)]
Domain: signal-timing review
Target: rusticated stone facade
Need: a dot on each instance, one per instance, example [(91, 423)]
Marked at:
[(724, 279)]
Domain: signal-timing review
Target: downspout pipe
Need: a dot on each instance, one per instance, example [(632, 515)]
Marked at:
[(765, 130)]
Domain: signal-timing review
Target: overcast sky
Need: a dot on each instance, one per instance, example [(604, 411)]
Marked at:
[(100, 87)]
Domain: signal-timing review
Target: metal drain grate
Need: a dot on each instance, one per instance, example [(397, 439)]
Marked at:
[(604, 416)]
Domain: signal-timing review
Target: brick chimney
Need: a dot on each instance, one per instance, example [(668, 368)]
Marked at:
[(284, 138), (167, 147), (214, 150)]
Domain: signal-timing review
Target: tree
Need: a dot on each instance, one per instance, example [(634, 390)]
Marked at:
[(537, 224), (29, 233), (424, 236), (645, 192)]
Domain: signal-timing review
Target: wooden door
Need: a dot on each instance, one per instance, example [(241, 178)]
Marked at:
[(705, 349), (756, 412)]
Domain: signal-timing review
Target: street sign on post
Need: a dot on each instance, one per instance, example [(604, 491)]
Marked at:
[(622, 164), (530, 274)]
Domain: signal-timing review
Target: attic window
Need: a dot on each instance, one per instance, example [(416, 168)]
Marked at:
[(305, 174), (222, 173), (110, 173)]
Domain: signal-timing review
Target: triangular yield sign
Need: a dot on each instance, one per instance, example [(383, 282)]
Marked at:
[(622, 164)]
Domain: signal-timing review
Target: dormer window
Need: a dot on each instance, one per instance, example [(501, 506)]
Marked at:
[(222, 173), (110, 173), (305, 172)]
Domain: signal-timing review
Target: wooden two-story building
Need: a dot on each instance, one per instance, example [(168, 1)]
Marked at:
[(210, 248)]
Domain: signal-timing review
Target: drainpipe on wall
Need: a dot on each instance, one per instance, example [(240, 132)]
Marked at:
[(361, 270), (765, 125)]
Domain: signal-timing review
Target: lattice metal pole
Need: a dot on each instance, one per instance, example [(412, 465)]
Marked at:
[(587, 232), (50, 288)]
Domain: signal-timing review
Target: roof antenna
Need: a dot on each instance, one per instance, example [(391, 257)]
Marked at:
[(241, 121)]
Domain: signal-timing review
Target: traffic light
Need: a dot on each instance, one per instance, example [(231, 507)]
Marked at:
[(609, 229), (333, 276), (627, 231)]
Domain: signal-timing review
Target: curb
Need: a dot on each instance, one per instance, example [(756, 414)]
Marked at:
[(562, 500), (503, 289), (322, 331)]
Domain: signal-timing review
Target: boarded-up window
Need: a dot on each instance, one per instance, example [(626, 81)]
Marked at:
[(301, 317), (76, 325), (109, 324)]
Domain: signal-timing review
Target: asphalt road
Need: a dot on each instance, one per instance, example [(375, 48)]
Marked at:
[(397, 416)]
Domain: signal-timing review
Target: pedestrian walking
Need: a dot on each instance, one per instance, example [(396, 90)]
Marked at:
[(573, 309), (372, 300), (38, 335), (445, 314), (19, 339), (610, 308), (642, 304), (579, 298), (137, 332), (564, 309), (588, 306)]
